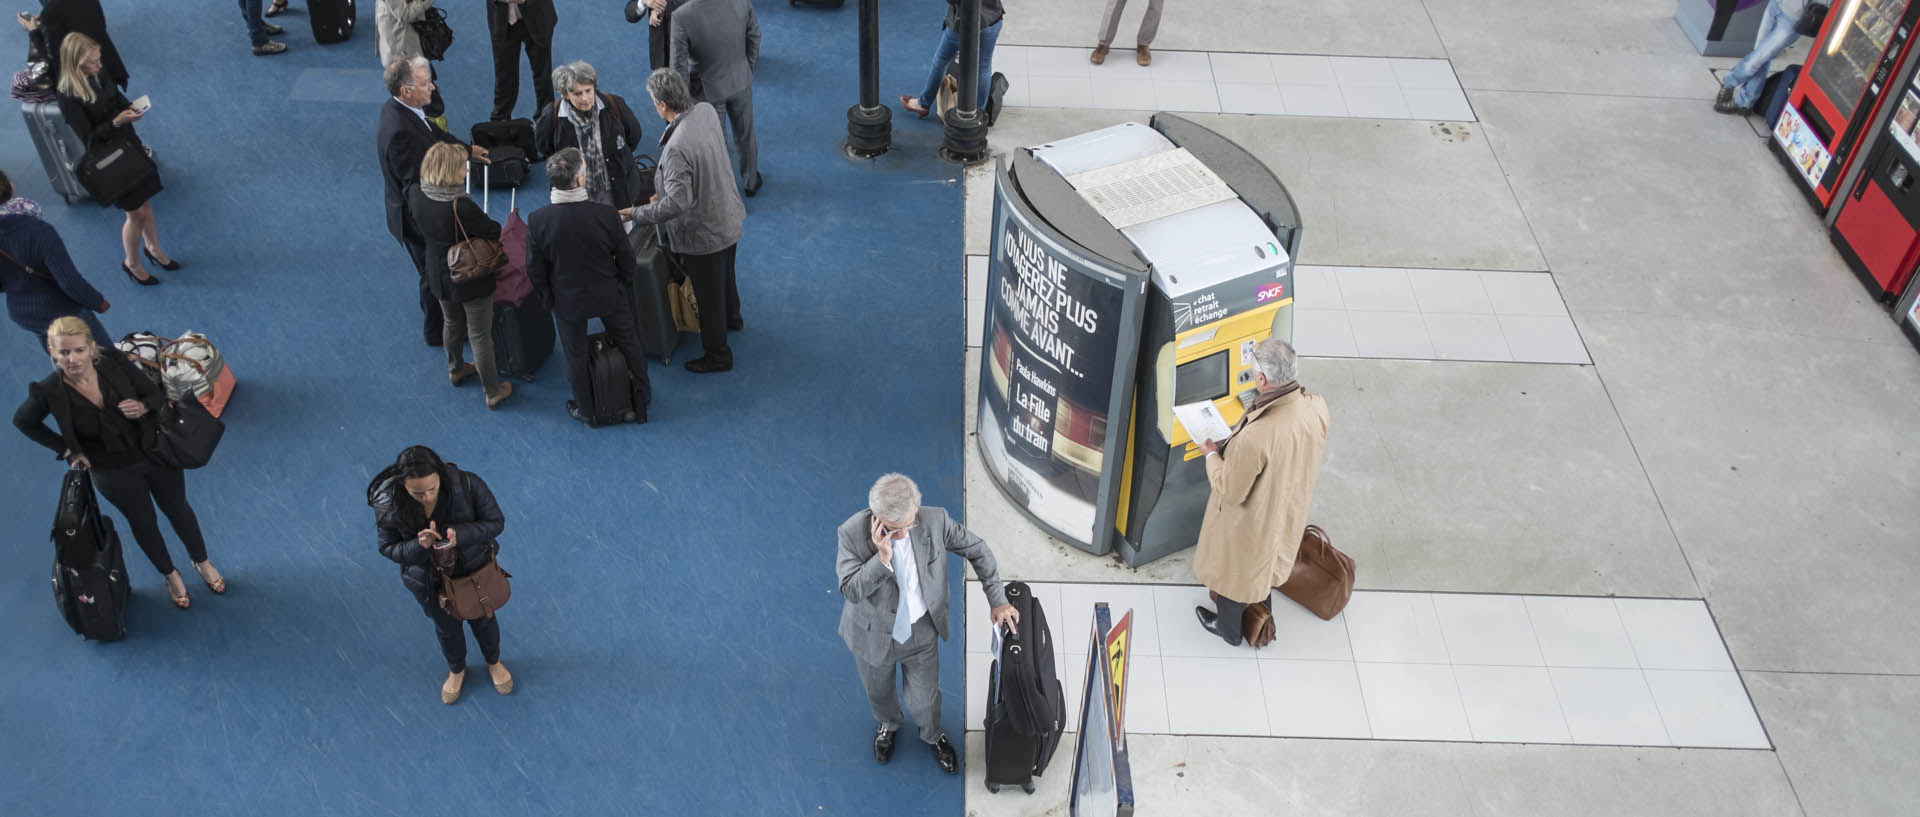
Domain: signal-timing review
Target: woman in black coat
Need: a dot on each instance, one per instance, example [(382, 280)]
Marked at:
[(583, 118), (444, 214), (101, 115), (103, 406), (421, 503), (58, 18)]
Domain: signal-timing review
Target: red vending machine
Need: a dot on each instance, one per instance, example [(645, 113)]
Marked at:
[(1877, 227), (1841, 88)]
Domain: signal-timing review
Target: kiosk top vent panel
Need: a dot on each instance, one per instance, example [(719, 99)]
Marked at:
[(1150, 187)]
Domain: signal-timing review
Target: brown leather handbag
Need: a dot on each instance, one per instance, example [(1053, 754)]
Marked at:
[(471, 259), (1322, 579), (478, 594)]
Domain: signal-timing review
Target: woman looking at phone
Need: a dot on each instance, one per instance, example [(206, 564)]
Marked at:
[(100, 114)]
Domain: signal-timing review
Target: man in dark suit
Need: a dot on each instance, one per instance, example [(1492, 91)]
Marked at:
[(513, 24), (716, 44), (404, 136), (579, 257)]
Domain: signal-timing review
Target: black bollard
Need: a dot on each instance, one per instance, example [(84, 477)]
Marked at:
[(869, 124), (966, 124)]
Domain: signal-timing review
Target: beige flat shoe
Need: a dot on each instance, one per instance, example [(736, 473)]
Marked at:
[(450, 689), (502, 679), (460, 374), (495, 399)]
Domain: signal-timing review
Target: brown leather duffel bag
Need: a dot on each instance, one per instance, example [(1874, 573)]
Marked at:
[(1322, 579)]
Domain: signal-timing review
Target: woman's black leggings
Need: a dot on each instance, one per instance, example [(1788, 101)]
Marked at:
[(134, 490), (453, 642)]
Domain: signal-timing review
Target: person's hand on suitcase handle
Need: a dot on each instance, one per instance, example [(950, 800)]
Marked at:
[(1005, 614), (479, 153)]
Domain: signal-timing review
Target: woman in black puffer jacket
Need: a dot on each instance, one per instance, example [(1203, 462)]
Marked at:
[(420, 503)]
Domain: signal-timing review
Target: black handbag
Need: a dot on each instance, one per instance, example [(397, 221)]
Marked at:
[(1810, 20), (640, 181), (184, 434), (110, 170), (76, 523), (435, 35)]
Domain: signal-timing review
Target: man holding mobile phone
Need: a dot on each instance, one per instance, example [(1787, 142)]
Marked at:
[(893, 574)]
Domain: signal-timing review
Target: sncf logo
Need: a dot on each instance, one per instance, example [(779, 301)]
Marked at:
[(1269, 292)]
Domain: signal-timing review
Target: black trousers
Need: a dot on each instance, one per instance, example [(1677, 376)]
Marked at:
[(713, 285), (507, 43), (659, 43), (1233, 617), (134, 490), (429, 305), (453, 642), (625, 334)]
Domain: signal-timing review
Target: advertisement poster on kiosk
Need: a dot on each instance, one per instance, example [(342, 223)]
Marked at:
[(1050, 362)]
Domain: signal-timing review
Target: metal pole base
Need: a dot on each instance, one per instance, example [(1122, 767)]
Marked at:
[(966, 137), (869, 131)]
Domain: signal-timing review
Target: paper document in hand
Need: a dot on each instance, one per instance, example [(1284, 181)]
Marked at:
[(1203, 421)]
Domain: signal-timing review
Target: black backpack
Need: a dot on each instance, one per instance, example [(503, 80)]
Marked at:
[(89, 568)]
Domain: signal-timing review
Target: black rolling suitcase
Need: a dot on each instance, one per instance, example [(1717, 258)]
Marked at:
[(60, 148), (616, 398), (1026, 709), (89, 567), (332, 20), (652, 315), (522, 336)]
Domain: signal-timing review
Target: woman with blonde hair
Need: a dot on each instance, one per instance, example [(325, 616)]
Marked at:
[(444, 214), (100, 114), (104, 407)]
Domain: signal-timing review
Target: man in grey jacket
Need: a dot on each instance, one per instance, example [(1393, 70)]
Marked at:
[(716, 44), (701, 212), (892, 566)]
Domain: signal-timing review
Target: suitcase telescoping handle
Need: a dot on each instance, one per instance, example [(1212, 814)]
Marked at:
[(486, 189)]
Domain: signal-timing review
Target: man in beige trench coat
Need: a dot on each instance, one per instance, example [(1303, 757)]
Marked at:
[(1262, 488)]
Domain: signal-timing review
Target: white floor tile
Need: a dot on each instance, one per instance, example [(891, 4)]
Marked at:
[(1489, 630), (1378, 289), (978, 631), (1073, 678), (1395, 627), (1077, 600), (1413, 73), (1191, 96), (977, 277), (1543, 339), (1019, 93), (1323, 333), (1302, 69), (1580, 632), (1443, 104), (1146, 712), (1449, 290), (976, 319), (1610, 706), (1010, 60), (1299, 634), (1215, 696), (1523, 293), (1357, 72), (1313, 100), (1314, 699), (1374, 102), (1673, 634), (1122, 94), (1058, 62), (1178, 66), (1058, 92), (1251, 99), (1316, 288), (1511, 704), (979, 666), (1706, 709), (1180, 631), (1400, 335), (1467, 337), (1256, 69), (1413, 702)]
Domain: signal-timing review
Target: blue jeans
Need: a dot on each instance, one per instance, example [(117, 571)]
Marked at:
[(950, 46), (256, 24), (1750, 73)]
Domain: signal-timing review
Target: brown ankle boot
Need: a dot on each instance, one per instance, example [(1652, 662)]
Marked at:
[(1142, 55), (1099, 55)]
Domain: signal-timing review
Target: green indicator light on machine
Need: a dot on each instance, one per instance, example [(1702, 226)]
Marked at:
[(1271, 249)]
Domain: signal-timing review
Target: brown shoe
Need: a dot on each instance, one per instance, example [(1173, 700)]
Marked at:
[(1099, 55), (1141, 54), (495, 399), (450, 688), (459, 374), (502, 679), (269, 48)]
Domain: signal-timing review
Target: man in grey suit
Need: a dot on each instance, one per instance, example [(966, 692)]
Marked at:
[(893, 615), (716, 44)]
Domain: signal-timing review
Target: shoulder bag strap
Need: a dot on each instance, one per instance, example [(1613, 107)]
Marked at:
[(23, 265)]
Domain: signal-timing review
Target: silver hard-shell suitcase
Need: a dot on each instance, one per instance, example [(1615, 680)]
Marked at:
[(59, 147)]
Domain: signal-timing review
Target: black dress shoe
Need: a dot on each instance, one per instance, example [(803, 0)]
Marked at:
[(883, 744), (754, 186), (707, 365), (168, 266), (948, 759), (150, 280), (1211, 621)]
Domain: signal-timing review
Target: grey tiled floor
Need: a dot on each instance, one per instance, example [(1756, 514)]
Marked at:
[(1433, 314)]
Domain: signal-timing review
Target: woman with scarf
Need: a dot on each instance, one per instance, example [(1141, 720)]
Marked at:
[(602, 126), (445, 215)]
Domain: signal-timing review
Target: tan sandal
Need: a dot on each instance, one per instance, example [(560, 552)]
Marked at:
[(450, 688), (180, 599), (211, 575)]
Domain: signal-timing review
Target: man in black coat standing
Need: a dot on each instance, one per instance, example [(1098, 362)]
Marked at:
[(404, 136), (513, 24), (578, 255)]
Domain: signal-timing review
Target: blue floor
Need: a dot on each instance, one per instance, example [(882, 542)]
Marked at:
[(672, 629)]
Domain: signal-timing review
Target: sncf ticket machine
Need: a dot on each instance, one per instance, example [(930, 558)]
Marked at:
[(1133, 268)]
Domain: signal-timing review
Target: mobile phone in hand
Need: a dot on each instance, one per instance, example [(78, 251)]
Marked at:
[(142, 104)]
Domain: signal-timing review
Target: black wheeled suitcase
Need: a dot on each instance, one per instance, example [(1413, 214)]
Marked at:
[(1026, 709), (89, 567), (652, 315), (522, 336), (616, 398), (332, 20), (60, 148)]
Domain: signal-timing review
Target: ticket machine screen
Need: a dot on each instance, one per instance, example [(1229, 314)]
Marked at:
[(1203, 379)]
